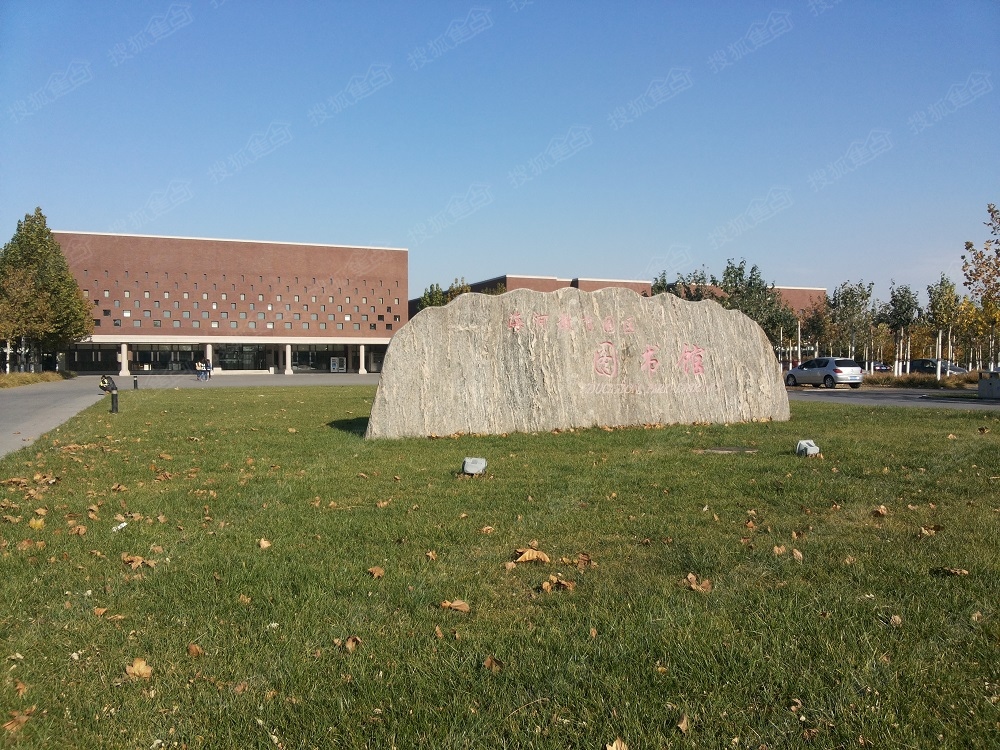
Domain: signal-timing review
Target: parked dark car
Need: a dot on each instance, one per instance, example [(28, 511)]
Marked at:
[(929, 367), (827, 371), (874, 366)]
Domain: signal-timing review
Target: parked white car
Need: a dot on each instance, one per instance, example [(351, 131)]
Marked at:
[(826, 371)]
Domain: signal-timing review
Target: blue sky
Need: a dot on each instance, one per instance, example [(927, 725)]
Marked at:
[(823, 140)]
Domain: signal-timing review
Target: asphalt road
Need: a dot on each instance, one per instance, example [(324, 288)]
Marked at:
[(892, 397)]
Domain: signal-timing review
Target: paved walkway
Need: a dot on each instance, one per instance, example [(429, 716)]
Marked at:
[(28, 412)]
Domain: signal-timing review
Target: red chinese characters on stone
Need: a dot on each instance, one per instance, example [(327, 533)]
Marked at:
[(628, 325), (609, 324), (606, 360), (650, 364), (539, 320), (691, 360), (565, 322), (515, 322)]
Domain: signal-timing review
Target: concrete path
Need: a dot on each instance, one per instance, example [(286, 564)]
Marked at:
[(28, 412)]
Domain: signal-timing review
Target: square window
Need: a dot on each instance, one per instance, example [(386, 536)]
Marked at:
[(166, 313), (381, 317), (371, 326), (340, 326), (196, 324), (305, 326), (288, 325), (97, 322), (347, 317), (136, 323), (177, 324), (357, 326), (127, 313), (270, 324), (395, 318), (185, 314), (252, 324), (322, 326), (156, 323), (215, 324), (233, 324), (388, 326), (118, 323), (106, 313), (146, 313)]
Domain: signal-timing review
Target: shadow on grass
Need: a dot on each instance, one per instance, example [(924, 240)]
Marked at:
[(356, 426)]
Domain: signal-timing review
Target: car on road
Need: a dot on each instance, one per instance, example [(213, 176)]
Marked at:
[(929, 367), (875, 366), (826, 371)]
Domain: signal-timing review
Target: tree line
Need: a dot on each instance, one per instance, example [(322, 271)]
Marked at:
[(42, 308), (851, 322)]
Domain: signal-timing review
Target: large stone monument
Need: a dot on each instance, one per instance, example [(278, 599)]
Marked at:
[(527, 361)]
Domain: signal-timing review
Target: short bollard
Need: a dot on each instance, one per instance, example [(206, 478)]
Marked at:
[(114, 401), (135, 382)]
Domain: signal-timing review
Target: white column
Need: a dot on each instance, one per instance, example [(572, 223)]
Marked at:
[(123, 372), (361, 360), (288, 359)]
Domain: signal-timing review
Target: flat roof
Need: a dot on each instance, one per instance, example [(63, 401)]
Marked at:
[(226, 239)]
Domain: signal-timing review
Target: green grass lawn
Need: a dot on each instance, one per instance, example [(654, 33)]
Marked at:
[(854, 599)]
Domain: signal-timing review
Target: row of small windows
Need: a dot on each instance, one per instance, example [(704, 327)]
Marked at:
[(117, 323), (232, 305), (243, 278), (243, 316), (243, 297)]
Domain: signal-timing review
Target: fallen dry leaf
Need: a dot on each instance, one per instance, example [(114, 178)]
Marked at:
[(438, 633), (779, 550), (487, 530), (263, 544), (880, 511), (977, 617), (194, 650), (509, 565), (139, 669), (376, 572), (244, 599), (78, 530), (797, 555), (352, 643), (383, 503), (458, 606), (618, 744), (21, 689), (431, 555), (19, 720), (705, 586), (494, 665), (684, 724), (99, 611), (532, 554), (37, 523), (896, 621)]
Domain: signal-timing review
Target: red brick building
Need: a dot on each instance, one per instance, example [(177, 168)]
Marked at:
[(551, 284), (162, 303)]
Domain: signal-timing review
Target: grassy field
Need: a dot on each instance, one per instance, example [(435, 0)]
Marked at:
[(15, 379), (276, 581)]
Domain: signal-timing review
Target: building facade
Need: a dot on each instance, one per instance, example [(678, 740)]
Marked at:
[(163, 303), (552, 283)]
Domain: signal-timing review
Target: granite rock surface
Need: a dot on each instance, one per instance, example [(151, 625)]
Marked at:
[(528, 361)]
